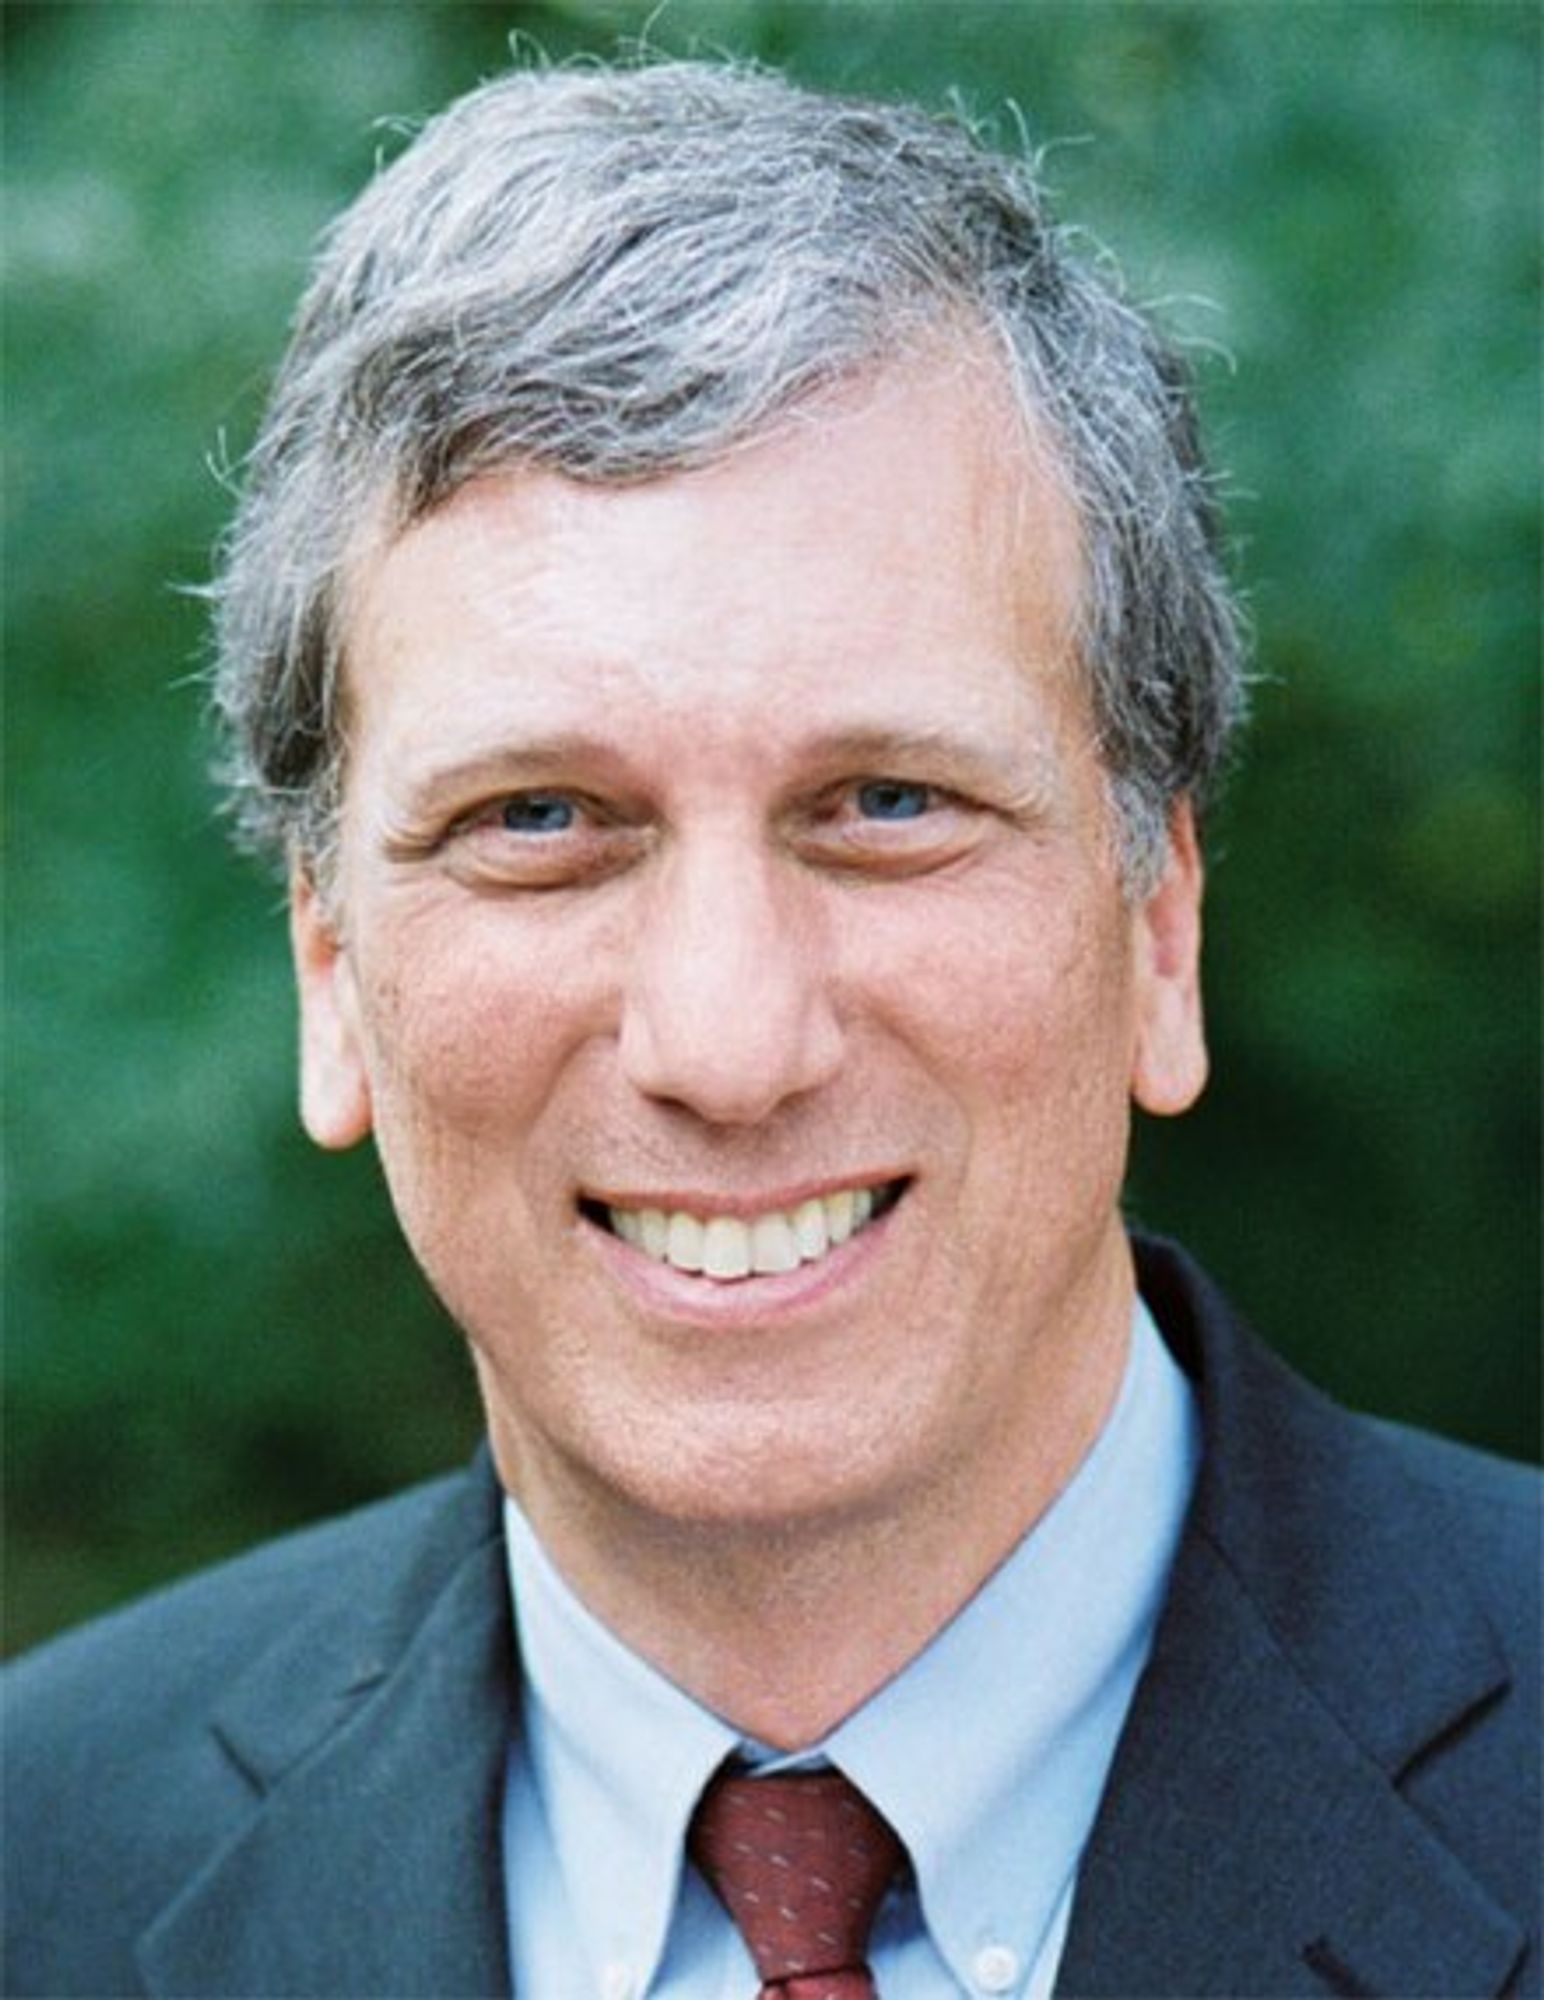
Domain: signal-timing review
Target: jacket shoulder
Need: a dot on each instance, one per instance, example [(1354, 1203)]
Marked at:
[(160, 1649), (129, 1745), (1463, 1477), (1487, 1514)]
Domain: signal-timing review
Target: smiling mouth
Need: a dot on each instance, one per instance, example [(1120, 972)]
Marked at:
[(729, 1248)]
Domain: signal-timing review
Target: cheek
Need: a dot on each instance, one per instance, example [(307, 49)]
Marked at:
[(1025, 1000), (1033, 1031), (467, 1039), (465, 1034)]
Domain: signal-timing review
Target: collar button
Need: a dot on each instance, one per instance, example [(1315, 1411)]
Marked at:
[(995, 1969)]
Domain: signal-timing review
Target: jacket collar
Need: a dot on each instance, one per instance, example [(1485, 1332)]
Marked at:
[(375, 1738), (1252, 1835)]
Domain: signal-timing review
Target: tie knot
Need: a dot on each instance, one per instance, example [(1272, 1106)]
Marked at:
[(800, 1862)]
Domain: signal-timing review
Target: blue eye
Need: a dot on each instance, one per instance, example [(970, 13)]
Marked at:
[(537, 812), (893, 798)]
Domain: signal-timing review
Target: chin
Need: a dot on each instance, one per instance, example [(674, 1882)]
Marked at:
[(742, 1473)]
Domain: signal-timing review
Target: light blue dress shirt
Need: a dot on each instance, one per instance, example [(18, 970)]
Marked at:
[(987, 1753)]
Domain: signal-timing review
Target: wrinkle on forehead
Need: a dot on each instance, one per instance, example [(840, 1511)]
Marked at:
[(1017, 515)]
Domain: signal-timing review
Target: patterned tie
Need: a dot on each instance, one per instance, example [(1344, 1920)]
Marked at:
[(800, 1862)]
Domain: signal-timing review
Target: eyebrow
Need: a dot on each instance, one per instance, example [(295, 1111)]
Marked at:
[(1022, 776), (946, 749), (1024, 773), (512, 763)]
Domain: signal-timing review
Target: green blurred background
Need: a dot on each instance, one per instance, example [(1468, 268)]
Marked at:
[(212, 1331)]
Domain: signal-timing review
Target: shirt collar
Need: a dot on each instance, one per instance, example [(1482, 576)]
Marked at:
[(995, 1815), (619, 1756)]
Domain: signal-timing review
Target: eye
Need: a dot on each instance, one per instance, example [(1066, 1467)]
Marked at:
[(538, 812), (542, 839), (888, 828), (893, 799)]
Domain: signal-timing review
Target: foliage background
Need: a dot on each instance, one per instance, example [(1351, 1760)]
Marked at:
[(213, 1332)]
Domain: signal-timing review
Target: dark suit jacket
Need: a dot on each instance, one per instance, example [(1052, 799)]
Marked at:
[(284, 1777)]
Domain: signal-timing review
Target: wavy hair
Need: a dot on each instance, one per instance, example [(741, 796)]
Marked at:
[(623, 272)]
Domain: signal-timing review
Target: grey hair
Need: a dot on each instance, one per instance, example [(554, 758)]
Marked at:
[(623, 272)]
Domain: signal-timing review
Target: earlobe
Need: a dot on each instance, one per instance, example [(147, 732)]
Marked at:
[(334, 1084), (1169, 1061)]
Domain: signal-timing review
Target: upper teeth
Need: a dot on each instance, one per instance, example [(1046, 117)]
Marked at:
[(732, 1246)]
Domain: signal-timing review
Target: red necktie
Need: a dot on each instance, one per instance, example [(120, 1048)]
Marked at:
[(800, 1862)]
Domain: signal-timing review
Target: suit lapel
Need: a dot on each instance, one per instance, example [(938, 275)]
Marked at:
[(1253, 1837), (1248, 1844), (378, 1745)]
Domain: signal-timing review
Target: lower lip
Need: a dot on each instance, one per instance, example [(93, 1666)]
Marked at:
[(691, 1299)]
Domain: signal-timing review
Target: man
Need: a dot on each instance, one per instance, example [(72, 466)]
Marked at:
[(725, 633)]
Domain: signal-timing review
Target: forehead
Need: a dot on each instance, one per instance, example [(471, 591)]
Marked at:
[(904, 532)]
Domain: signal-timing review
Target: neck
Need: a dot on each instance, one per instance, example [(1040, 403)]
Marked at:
[(785, 1635)]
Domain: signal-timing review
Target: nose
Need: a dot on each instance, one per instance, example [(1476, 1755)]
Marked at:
[(728, 1009)]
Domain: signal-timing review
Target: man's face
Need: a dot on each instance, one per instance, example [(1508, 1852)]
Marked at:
[(721, 855)]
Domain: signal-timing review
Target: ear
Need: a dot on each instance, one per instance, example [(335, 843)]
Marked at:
[(1169, 1065), (334, 1085)]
